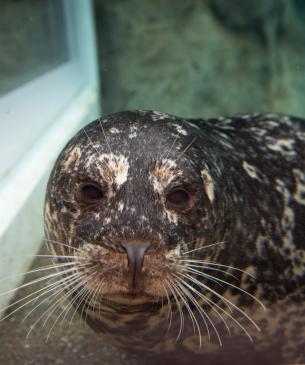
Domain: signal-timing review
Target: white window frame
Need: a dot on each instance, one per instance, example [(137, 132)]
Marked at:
[(65, 98)]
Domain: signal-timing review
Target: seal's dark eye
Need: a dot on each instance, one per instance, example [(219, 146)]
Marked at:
[(90, 193), (178, 198)]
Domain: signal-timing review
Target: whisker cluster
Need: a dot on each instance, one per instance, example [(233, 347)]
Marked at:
[(69, 276), (185, 291), (188, 286)]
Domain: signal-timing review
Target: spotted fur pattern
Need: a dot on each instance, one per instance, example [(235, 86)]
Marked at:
[(246, 175)]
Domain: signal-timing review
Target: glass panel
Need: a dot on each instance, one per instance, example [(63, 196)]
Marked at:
[(32, 40)]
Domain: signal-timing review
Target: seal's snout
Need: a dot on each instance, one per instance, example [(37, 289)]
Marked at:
[(135, 255)]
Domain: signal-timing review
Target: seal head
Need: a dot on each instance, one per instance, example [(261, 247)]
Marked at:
[(126, 190)]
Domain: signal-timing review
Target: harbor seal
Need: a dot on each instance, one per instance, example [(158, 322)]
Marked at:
[(185, 236)]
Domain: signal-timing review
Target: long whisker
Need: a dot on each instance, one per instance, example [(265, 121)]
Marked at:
[(63, 244), (201, 273), (225, 299), (78, 300), (59, 288), (58, 303), (41, 256), (184, 301), (86, 302), (92, 295), (44, 268), (203, 247), (82, 295), (90, 141), (192, 316), (170, 311), (200, 310), (214, 264), (172, 146), (102, 128), (81, 284), (63, 272), (70, 306), (212, 303), (207, 301), (189, 269), (160, 145), (169, 284), (28, 296), (208, 276), (100, 302), (186, 148), (98, 292)]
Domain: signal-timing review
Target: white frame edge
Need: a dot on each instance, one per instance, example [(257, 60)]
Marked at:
[(22, 189), (22, 193)]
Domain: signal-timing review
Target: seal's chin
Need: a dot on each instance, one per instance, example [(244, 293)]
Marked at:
[(131, 298)]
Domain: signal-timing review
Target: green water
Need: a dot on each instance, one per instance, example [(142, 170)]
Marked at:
[(202, 58)]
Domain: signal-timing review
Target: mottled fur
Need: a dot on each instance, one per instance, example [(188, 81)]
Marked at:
[(245, 176)]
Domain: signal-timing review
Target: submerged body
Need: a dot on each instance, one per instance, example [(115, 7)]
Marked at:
[(187, 236)]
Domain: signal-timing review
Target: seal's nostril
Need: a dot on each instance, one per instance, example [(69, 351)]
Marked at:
[(135, 253)]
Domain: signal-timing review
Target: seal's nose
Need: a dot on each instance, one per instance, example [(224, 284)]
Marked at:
[(135, 254)]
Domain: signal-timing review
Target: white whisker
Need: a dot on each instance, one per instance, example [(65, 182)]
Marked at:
[(45, 268), (90, 141), (215, 264), (82, 295), (201, 273), (62, 244), (43, 290), (231, 285), (170, 312), (54, 295), (105, 135), (186, 148), (222, 297), (60, 301), (203, 247), (212, 303), (59, 289), (208, 302), (200, 310), (179, 309), (192, 317), (63, 272), (172, 146)]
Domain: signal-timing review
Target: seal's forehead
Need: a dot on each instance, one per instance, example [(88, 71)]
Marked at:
[(146, 125), (139, 136)]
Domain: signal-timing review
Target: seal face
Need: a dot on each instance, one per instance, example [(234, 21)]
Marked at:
[(194, 218)]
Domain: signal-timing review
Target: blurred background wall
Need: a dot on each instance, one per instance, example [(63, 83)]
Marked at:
[(202, 58)]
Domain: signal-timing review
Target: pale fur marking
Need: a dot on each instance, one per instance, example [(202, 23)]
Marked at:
[(72, 157), (118, 165), (283, 146), (114, 130), (299, 195), (180, 129), (121, 206), (250, 170), (208, 185)]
